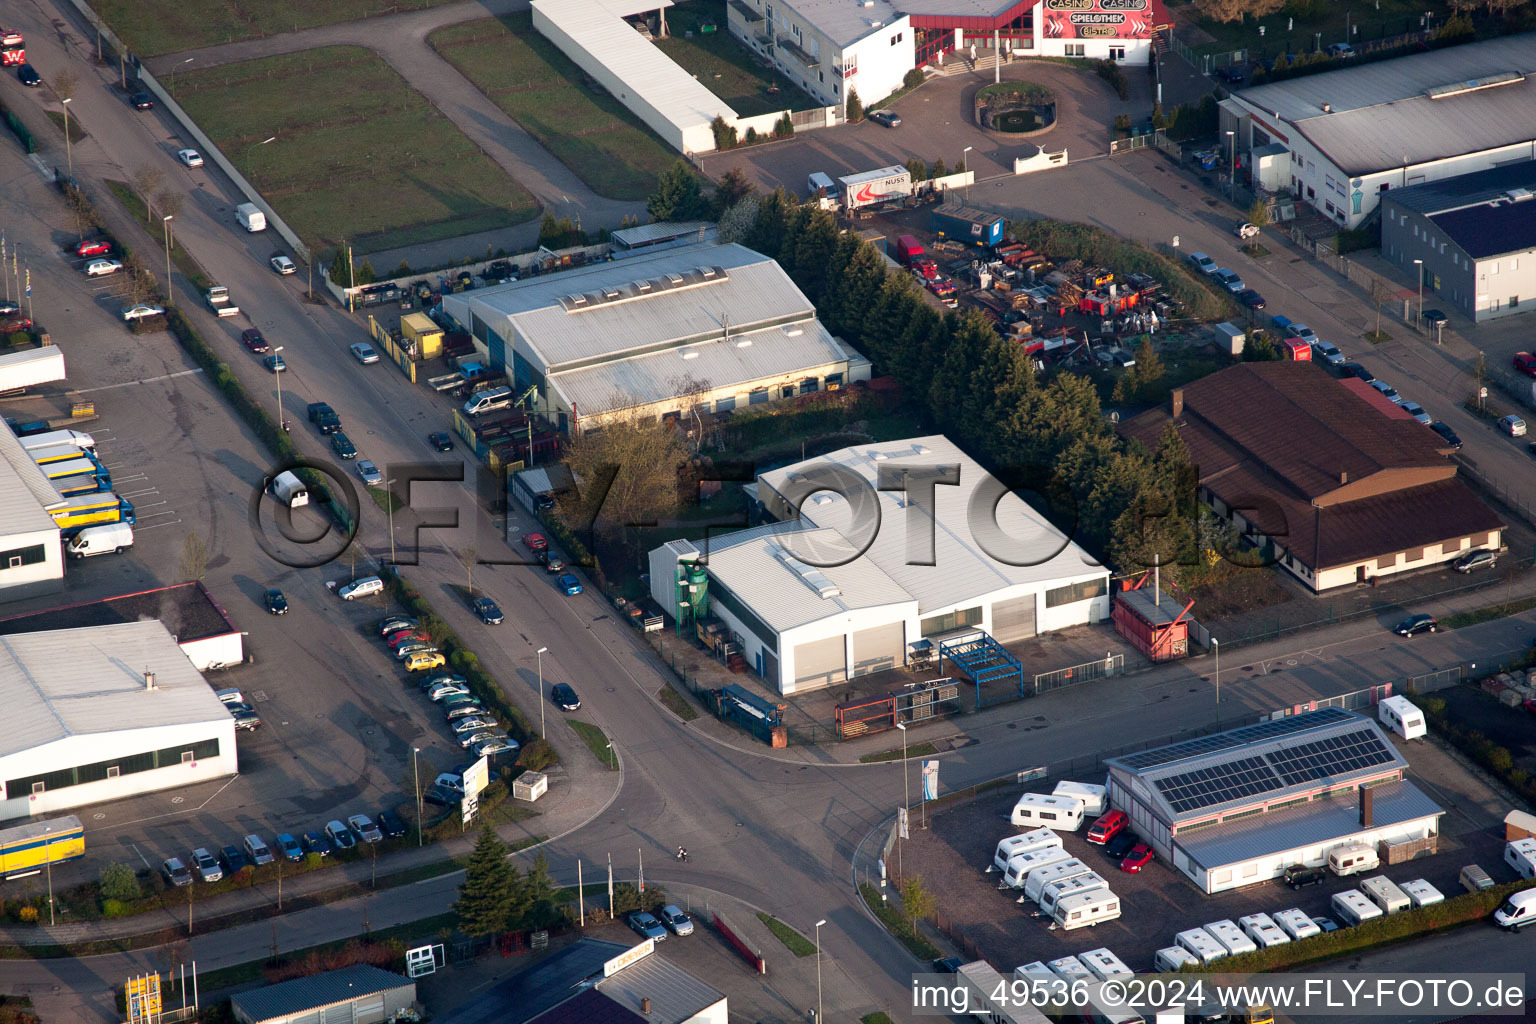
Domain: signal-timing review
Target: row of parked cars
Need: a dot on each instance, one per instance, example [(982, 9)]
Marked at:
[(204, 865), (472, 724)]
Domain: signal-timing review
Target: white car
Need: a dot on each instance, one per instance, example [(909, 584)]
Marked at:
[(1512, 425), (364, 353), (190, 157), (473, 724), (99, 268), (142, 311), (495, 746), (282, 264), (360, 588)]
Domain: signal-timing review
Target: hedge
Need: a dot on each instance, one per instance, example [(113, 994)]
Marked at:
[(23, 136)]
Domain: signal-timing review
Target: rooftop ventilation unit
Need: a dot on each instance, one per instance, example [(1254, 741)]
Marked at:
[(643, 287), (690, 355), (611, 294), (1519, 195), (1441, 92), (793, 332), (675, 280), (809, 575), (744, 343), (920, 449), (878, 456), (706, 273)]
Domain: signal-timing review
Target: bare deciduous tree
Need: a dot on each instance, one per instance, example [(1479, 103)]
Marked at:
[(144, 181), (194, 557), (467, 556)]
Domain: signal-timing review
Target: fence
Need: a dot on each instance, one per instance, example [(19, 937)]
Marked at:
[(1103, 668), (1135, 142)]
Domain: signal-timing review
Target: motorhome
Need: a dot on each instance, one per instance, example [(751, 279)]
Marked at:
[(1041, 877), (1354, 908), (1017, 872), (1093, 797), (1400, 715), (1521, 855), (1201, 945), (1104, 964), (1230, 936), (1297, 923), (1013, 846), (1261, 928), (1386, 894), (1352, 859), (1422, 893), (1052, 894), (1036, 810), (1086, 909)]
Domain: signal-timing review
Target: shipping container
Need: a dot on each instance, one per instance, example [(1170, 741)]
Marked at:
[(966, 225)]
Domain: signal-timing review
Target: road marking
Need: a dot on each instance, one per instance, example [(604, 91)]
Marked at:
[(155, 526), (146, 380), (42, 168), (153, 515)]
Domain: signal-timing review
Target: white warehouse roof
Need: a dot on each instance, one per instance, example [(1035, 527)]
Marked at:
[(961, 569), (26, 493), (72, 682)]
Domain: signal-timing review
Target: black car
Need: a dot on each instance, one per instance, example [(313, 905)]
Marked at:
[(9, 308), (1298, 876), (1121, 844), (390, 824), (1447, 433), (565, 698), (276, 603), (142, 101), (1230, 74), (441, 441), (234, 858), (342, 445), (1434, 318), (316, 842), (947, 965), (889, 118), (1416, 624), (249, 721), (441, 796), (1250, 298), (488, 610), (29, 76), (1358, 371)]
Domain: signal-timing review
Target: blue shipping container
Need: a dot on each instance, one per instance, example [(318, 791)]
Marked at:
[(963, 224)]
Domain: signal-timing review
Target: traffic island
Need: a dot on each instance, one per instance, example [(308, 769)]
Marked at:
[(1020, 109)]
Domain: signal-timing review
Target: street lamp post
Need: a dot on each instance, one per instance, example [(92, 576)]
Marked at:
[(1420, 265), (818, 969), (389, 496), (966, 163), (68, 152), (189, 60), (1216, 650), (416, 768), (277, 355), (48, 863), (540, 653), (905, 791), (1232, 163), (169, 288)]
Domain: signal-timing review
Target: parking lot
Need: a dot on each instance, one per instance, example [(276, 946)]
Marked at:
[(952, 854)]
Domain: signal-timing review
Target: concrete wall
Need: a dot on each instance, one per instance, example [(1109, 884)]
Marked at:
[(214, 652), (45, 577)]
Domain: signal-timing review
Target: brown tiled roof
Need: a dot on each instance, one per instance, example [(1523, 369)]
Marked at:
[(1379, 401)]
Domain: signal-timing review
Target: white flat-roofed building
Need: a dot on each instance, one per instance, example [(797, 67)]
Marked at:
[(811, 609), (102, 713), (703, 327), (31, 554)]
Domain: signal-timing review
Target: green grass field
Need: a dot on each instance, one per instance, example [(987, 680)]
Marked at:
[(724, 66), (356, 153), (586, 129), (152, 27)]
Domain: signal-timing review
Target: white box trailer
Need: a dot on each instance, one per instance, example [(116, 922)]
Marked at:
[(871, 188), (980, 980), (79, 438), (1231, 936), (1013, 846), (1386, 894), (1422, 893), (1052, 895), (1041, 877), (31, 367), (1017, 872), (1354, 907), (1093, 797), (1201, 944), (1399, 715), (1104, 964), (1521, 855), (1086, 910), (1261, 928), (1297, 923)]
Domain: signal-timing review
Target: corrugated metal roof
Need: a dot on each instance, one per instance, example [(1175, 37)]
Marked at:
[(25, 491), (318, 990), (1309, 824), (843, 21), (1382, 119), (550, 981), (597, 26), (675, 995), (660, 231), (1464, 189), (72, 682), (775, 355), (961, 571), (1491, 229)]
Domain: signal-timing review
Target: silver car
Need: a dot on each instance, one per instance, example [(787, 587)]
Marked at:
[(364, 826), (467, 740), (474, 723)]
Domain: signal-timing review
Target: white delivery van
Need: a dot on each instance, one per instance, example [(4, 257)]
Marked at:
[(1071, 968), (289, 489), (1385, 894), (1017, 872), (250, 218), (1230, 936), (1399, 715), (1013, 846), (1296, 923), (1521, 855), (1051, 895), (1041, 877), (1093, 797), (1200, 943), (79, 438), (1104, 964), (1086, 909), (818, 180), (1352, 858), (489, 400), (1261, 928), (1353, 907), (1036, 810), (106, 539), (1517, 912), (1171, 959), (1422, 893)]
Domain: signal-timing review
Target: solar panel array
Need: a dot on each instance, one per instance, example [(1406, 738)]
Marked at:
[(1335, 755), (1233, 738), (1206, 787)]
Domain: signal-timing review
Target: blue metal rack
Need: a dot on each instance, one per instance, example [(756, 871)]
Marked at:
[(984, 661)]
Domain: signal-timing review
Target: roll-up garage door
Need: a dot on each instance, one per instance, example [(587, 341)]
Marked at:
[(1013, 619), (317, 1017), (341, 1014), (878, 648), (370, 1010), (820, 662)]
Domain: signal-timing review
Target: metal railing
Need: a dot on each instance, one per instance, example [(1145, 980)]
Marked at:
[(1103, 668)]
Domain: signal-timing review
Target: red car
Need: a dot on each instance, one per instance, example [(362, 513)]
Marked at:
[(405, 636), (1107, 827), (1529, 704), (1525, 363), (19, 323), (93, 247), (254, 341), (535, 542), (1139, 857)]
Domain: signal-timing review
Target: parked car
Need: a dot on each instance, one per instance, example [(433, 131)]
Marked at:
[(1139, 857), (257, 849), (647, 926), (391, 825), (488, 610), (499, 745), (142, 311), (282, 264), (889, 118), (206, 865), (454, 711), (289, 847), (535, 542), (1474, 560), (677, 922), (178, 874), (395, 622), (1525, 362), (102, 267), (317, 842), (253, 339), (276, 603), (234, 859), (1250, 298), (369, 473), (274, 364), (1416, 624), (1356, 370), (440, 690), (1434, 318), (413, 648), (100, 247), (1203, 263), (568, 583), (473, 724), (364, 826), (20, 323), (1299, 876), (28, 76), (1512, 425), (340, 835), (363, 587), (364, 353), (1232, 75), (1229, 280), (142, 101), (190, 157), (1446, 432), (1341, 51), (441, 441), (427, 682), (423, 661), (248, 721), (947, 965), (229, 696), (342, 445), (1387, 391), (564, 698), (1327, 924), (1329, 352), (1416, 410), (1121, 844)]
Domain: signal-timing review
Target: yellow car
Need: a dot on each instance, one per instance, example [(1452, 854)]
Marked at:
[(424, 660)]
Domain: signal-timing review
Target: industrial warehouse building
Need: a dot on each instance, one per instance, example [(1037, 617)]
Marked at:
[(31, 553), (1472, 237), (701, 328), (1349, 137), (103, 713), (850, 576), (1318, 478), (359, 994), (1239, 807), (199, 624)]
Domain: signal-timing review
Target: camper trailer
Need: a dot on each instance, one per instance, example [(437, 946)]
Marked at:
[(1013, 846), (1041, 877), (1052, 895), (1201, 945), (1093, 797), (1017, 872), (1521, 855), (1399, 715), (1230, 936), (1171, 959), (1037, 810), (1104, 964), (1086, 909), (1386, 894), (1422, 893), (1261, 928), (1296, 923), (1071, 968), (1352, 859), (1353, 907)]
